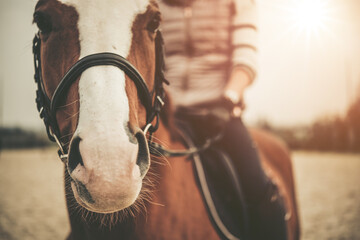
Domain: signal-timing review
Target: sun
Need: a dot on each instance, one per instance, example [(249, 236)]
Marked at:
[(309, 17)]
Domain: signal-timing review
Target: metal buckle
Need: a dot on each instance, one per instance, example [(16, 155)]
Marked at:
[(41, 111), (147, 127), (160, 101), (62, 155)]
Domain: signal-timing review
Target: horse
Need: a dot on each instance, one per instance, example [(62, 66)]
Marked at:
[(98, 67)]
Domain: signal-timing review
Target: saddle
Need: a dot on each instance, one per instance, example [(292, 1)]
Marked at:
[(215, 173)]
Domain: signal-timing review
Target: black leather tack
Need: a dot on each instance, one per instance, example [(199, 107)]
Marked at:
[(47, 107)]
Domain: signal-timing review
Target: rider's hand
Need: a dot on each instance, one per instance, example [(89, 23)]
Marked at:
[(234, 103), (223, 109), (240, 79)]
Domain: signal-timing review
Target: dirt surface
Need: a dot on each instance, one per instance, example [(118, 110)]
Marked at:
[(32, 204), (328, 193), (32, 197)]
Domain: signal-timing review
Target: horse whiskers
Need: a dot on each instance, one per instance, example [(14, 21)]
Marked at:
[(162, 157), (143, 206), (108, 220), (66, 144), (157, 204), (152, 183), (161, 160), (75, 114), (160, 141), (66, 105), (66, 135)]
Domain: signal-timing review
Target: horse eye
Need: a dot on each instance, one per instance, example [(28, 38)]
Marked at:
[(43, 22), (154, 23)]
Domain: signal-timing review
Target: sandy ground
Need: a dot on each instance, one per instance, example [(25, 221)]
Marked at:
[(32, 202), (328, 192)]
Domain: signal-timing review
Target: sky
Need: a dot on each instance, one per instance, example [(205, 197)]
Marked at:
[(309, 62), (305, 76)]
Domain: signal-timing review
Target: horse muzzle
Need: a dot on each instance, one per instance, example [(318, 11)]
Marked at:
[(106, 172)]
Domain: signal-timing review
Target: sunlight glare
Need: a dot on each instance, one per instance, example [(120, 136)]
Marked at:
[(310, 16)]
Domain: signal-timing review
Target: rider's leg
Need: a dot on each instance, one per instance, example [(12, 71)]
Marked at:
[(266, 209)]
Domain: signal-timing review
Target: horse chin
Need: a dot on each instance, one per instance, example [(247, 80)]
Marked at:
[(100, 204)]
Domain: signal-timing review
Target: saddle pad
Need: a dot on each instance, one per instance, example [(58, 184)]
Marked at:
[(221, 191)]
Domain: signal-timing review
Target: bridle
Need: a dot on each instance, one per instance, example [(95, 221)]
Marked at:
[(152, 101)]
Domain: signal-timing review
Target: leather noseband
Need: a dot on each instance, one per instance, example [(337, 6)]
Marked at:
[(100, 59)]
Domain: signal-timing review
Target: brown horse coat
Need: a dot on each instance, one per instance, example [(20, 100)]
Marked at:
[(103, 110)]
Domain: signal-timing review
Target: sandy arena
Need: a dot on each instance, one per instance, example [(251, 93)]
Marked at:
[(32, 204)]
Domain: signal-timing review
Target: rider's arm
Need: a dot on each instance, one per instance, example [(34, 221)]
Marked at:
[(244, 41)]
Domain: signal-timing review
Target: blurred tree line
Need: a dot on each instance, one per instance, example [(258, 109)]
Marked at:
[(20, 138), (325, 134)]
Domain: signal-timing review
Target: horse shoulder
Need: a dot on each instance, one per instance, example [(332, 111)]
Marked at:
[(273, 152)]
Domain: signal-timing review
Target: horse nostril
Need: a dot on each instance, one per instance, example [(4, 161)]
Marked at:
[(143, 159), (74, 155)]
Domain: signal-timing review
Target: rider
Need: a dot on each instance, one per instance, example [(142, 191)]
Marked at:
[(211, 56)]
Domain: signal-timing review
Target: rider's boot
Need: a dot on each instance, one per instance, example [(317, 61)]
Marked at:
[(267, 217), (266, 210)]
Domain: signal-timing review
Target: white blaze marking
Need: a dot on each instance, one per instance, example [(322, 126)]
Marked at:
[(105, 26)]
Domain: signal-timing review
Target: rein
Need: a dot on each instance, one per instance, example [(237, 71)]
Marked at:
[(47, 106)]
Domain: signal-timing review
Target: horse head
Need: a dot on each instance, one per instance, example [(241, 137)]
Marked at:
[(101, 114)]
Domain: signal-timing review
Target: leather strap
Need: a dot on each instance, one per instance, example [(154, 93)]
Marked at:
[(102, 59)]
